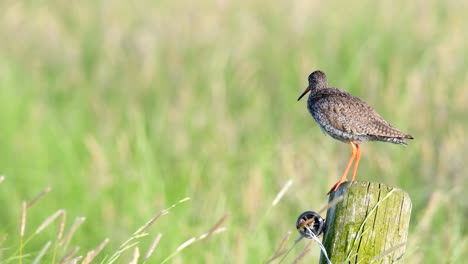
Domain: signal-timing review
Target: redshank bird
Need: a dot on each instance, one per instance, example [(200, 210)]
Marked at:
[(347, 119)]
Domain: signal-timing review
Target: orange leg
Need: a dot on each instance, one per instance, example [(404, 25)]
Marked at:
[(356, 164), (344, 178)]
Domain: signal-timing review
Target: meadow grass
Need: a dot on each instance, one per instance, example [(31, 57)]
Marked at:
[(123, 109)]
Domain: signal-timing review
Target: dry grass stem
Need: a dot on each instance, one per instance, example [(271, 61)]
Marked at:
[(141, 232), (301, 255), (89, 257), (387, 252), (283, 242), (191, 241), (282, 192), (145, 227), (136, 256), (186, 244), (93, 253), (280, 250), (67, 236), (183, 200), (148, 224), (74, 260), (63, 219), (42, 252), (69, 255), (216, 231), (215, 228), (49, 221), (152, 247), (39, 196), (434, 203), (331, 204), (24, 208)]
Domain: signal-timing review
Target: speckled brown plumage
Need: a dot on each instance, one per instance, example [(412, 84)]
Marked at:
[(347, 118)]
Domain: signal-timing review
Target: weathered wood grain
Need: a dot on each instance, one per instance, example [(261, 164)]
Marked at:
[(370, 224)]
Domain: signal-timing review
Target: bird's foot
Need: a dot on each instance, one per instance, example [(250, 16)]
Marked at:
[(336, 186)]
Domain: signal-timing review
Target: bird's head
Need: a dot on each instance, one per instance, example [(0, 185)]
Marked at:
[(317, 80)]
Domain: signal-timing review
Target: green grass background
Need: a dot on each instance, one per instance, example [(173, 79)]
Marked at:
[(124, 108)]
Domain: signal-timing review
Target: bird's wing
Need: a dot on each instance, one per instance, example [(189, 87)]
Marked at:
[(352, 115)]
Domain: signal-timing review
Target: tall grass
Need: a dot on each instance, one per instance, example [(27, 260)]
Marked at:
[(124, 108)]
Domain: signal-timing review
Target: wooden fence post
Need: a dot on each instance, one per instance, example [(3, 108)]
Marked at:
[(370, 224)]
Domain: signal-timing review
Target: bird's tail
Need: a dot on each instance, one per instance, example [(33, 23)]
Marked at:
[(388, 133), (401, 140), (397, 140)]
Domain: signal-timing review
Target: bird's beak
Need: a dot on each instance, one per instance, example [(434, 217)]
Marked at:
[(304, 93)]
